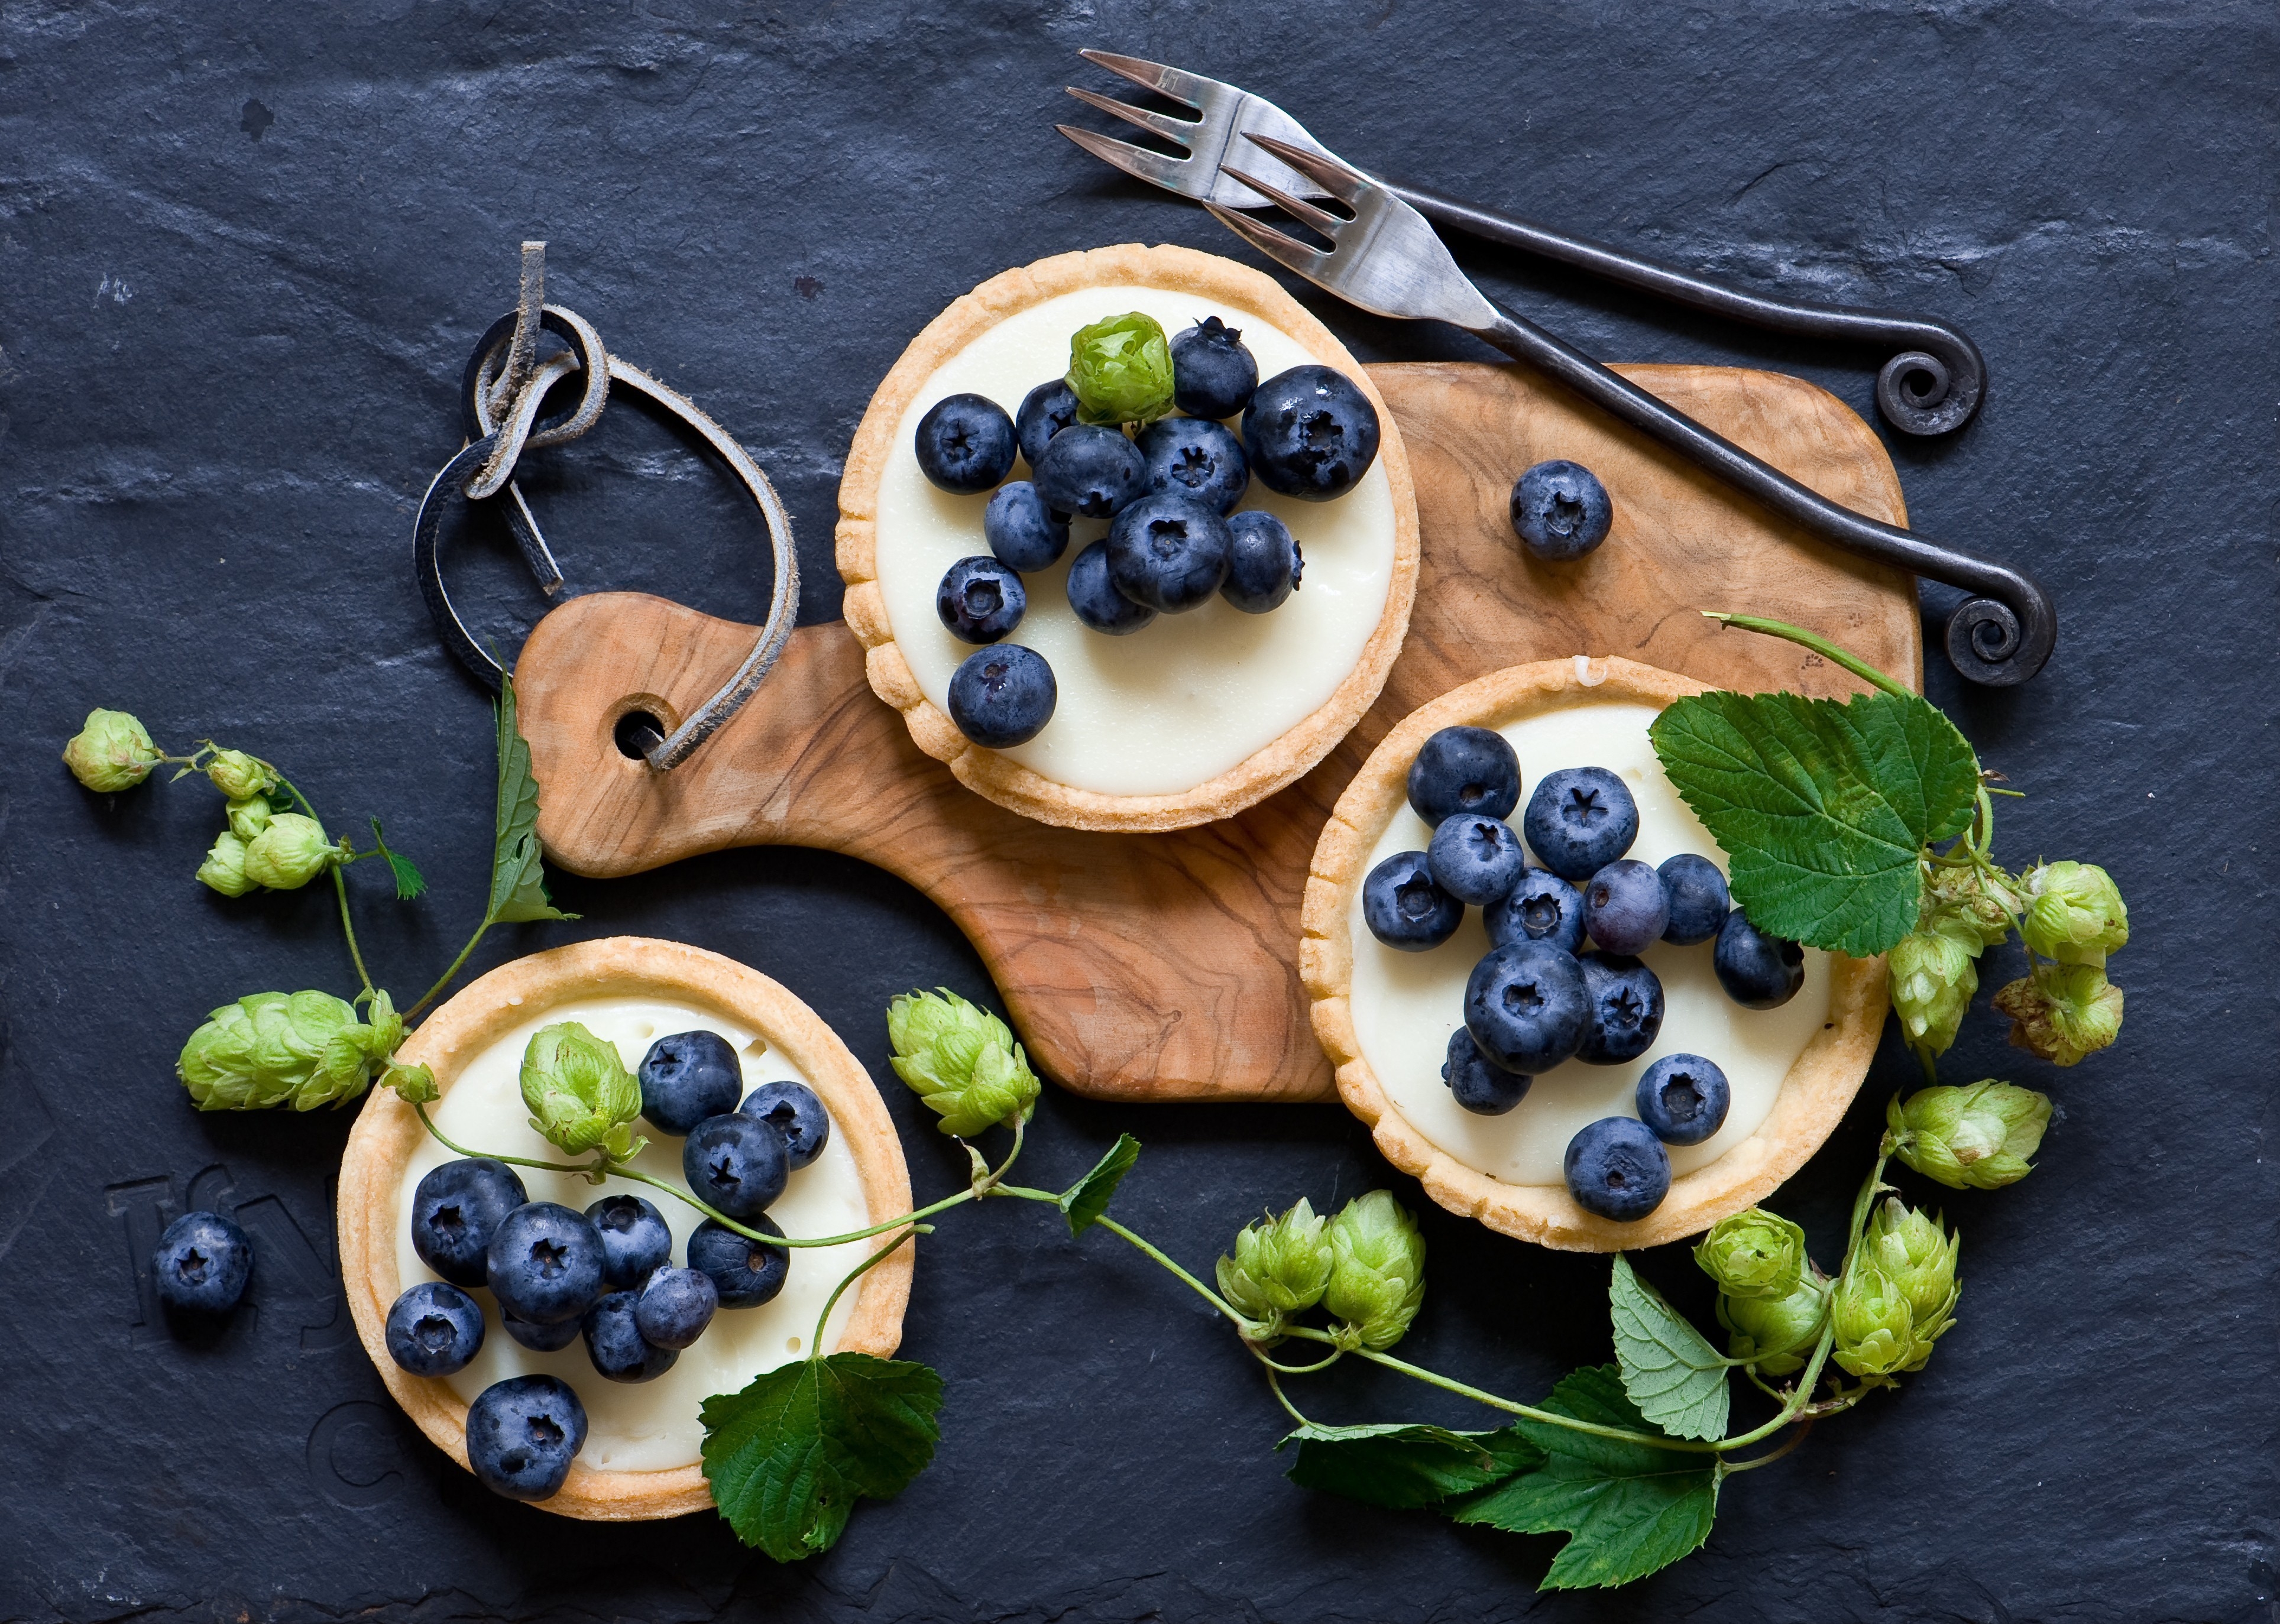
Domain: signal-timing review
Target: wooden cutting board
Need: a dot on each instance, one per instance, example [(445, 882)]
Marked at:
[(1162, 966)]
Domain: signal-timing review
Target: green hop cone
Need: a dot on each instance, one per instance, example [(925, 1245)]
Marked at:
[(1974, 905), (2061, 1013), (239, 776), (302, 1048), (961, 1060), (1932, 977), (1282, 1266), (415, 1083), (1775, 1333), (1121, 370), (1377, 1270), (1876, 1327), (1969, 1138), (1917, 1255), (578, 1092), (288, 853), (248, 818), (2075, 912), (223, 869), (1755, 1254), (111, 752)]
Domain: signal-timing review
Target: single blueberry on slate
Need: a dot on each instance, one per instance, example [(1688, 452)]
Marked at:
[(980, 599), (793, 1110), (1096, 600), (1168, 551), (1684, 1098), (1405, 909), (1758, 972), (745, 1273), (1579, 820), (1526, 1006), (1195, 457), (1698, 897), (1625, 908), (1046, 411), (1618, 1169), (1626, 1008), (675, 1306), (435, 1328), (1310, 434), (1542, 907), (523, 1435), (1090, 471), (1475, 860), (1560, 511), (455, 1210), (966, 443), (1479, 1083), (687, 1077), (1264, 563), (734, 1164), (545, 1263), (1464, 770), (1003, 695), (1213, 373), (539, 1338), (202, 1264), (616, 1346), (635, 1241), (1023, 533)]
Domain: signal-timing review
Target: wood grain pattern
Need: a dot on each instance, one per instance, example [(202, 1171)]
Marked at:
[(1163, 966)]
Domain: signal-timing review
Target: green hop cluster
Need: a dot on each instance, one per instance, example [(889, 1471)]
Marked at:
[(290, 851), (1970, 1138), (1377, 1271), (2064, 1007), (2075, 912), (1899, 1296), (223, 869), (240, 777), (302, 1048), (961, 1060), (1121, 370), (112, 752), (1282, 1266), (1755, 1255), (579, 1095), (2060, 1012), (249, 817), (1932, 977), (1974, 905), (1775, 1333)]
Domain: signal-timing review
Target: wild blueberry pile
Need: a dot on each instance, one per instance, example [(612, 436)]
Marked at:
[(1167, 487), (1540, 995), (606, 1273)]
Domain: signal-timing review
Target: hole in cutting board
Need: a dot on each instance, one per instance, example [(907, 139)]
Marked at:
[(641, 725)]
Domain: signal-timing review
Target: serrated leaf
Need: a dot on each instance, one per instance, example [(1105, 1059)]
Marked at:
[(1823, 808), (518, 874), (1669, 1371), (410, 882), (1627, 1508), (1402, 1467), (1083, 1202), (789, 1456)]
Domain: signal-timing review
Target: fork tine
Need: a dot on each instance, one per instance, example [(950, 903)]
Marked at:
[(1156, 123), (1177, 83), (1297, 208), (1308, 262), (1334, 177), (1156, 168)]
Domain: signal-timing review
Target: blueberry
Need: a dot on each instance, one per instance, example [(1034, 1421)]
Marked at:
[(745, 1273), (1475, 860), (1479, 1084), (202, 1264), (734, 1164), (1698, 897), (1526, 1006), (793, 1110), (1579, 820), (1263, 562), (1560, 511), (1758, 972), (1405, 909), (1684, 1098), (615, 1345), (1096, 599), (635, 1240), (980, 599), (1168, 551), (1625, 908), (1213, 373), (1542, 907), (435, 1328), (675, 1306), (545, 1263), (1021, 530), (523, 1435), (688, 1077), (1626, 1008), (1090, 470), (1618, 1169), (1310, 434), (539, 1338), (1003, 695), (1046, 411), (456, 1210), (1195, 457), (966, 443), (1464, 770)]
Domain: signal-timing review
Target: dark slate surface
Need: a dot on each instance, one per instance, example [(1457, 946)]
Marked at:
[(243, 257)]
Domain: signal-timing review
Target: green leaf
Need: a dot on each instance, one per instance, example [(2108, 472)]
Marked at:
[(1084, 1201), (1403, 1466), (787, 1457), (1630, 1508), (410, 882), (1675, 1378), (1823, 808), (517, 874)]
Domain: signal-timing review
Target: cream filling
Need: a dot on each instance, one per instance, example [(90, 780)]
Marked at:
[(648, 1426), (1190, 696), (1406, 1005)]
